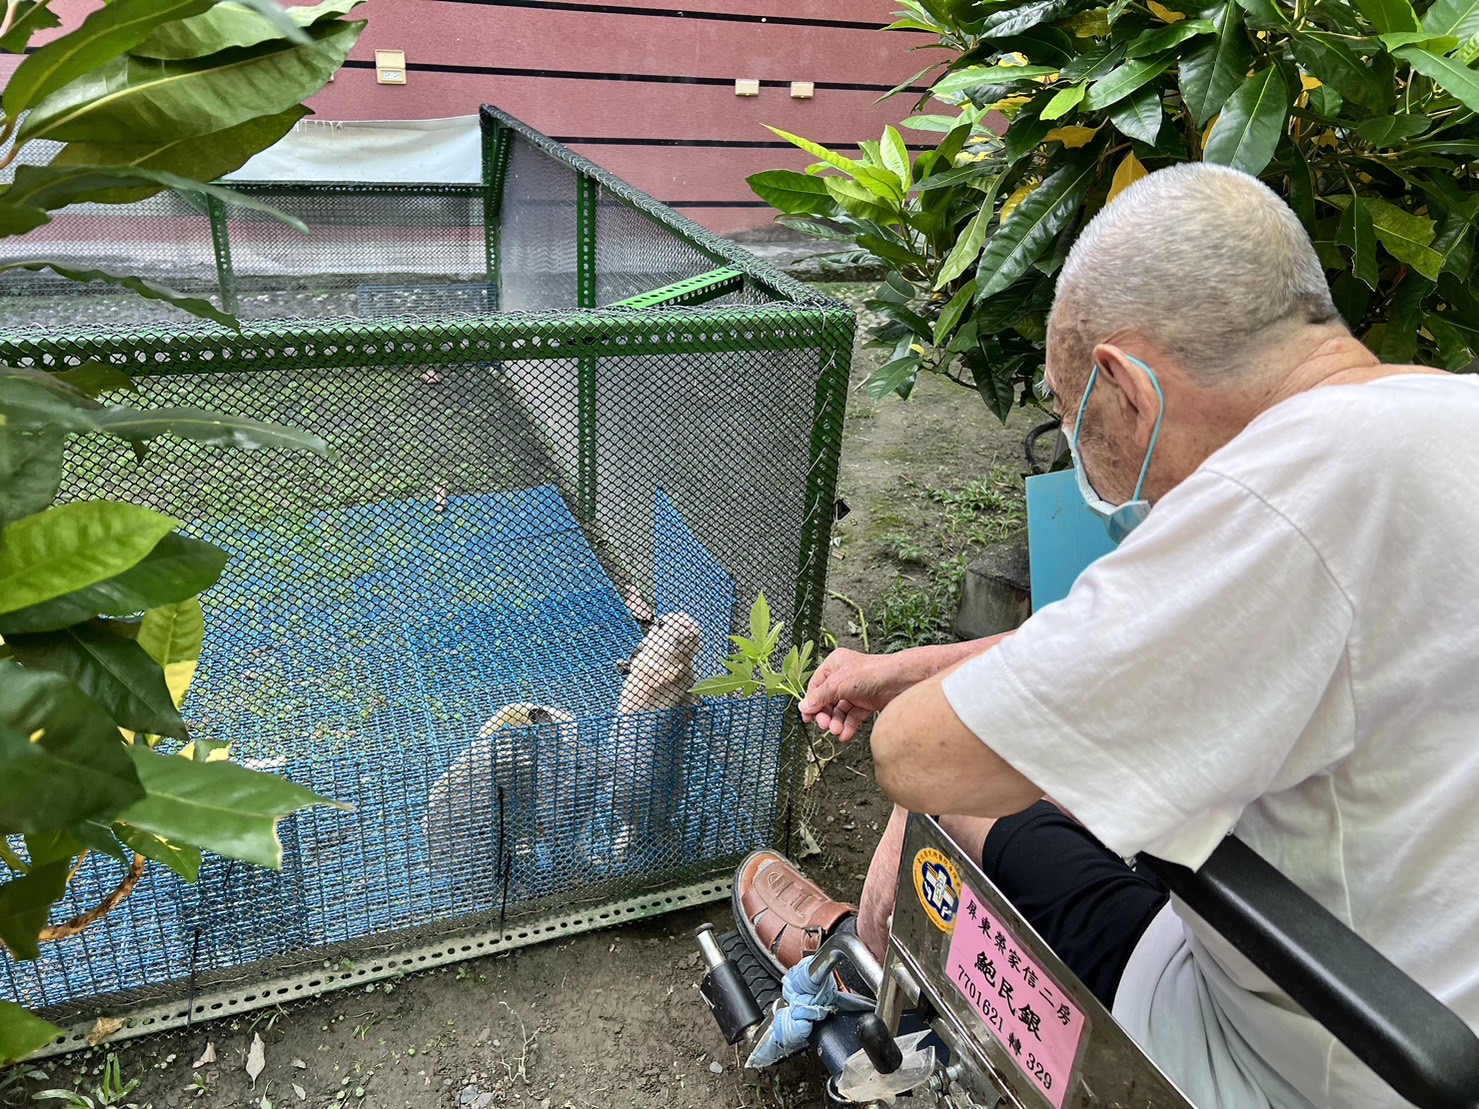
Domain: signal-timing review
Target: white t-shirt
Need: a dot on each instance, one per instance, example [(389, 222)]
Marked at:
[(1288, 648)]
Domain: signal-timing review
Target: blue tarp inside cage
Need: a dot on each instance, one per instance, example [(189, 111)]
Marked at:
[(358, 652)]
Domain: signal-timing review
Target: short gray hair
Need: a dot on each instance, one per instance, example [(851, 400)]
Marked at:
[(1203, 261)]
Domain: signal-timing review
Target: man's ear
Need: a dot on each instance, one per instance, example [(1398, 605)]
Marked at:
[(1136, 391)]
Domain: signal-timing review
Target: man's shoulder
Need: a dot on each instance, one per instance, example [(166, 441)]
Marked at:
[(1326, 431)]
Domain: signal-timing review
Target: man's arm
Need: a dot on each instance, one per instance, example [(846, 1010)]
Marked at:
[(928, 761)]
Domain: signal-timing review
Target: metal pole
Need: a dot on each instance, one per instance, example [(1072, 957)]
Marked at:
[(221, 243), (497, 144), (586, 194)]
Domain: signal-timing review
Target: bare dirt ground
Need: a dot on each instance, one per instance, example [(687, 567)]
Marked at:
[(613, 1018)]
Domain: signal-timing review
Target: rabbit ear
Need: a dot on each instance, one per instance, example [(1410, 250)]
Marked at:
[(540, 716)]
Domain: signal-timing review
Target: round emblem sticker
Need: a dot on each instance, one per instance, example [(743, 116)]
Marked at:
[(937, 883)]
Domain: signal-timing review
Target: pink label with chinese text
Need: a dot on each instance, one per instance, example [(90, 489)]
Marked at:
[(1035, 1022)]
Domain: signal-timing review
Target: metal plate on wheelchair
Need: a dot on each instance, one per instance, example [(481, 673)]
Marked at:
[(1045, 1038)]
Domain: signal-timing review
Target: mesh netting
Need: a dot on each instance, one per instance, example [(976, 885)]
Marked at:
[(426, 627)]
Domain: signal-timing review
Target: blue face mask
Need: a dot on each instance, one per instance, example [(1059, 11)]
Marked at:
[(1119, 520)]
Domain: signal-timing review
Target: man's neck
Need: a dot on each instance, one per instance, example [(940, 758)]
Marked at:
[(1339, 359)]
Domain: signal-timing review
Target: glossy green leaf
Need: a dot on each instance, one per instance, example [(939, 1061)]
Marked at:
[(154, 101), (1139, 115), (173, 633), (954, 310), (816, 228), (1454, 350), (896, 157), (33, 400), (97, 837), (1457, 79), (30, 17), (25, 904), (219, 806), (1407, 237), (995, 386), (175, 571), (50, 847), (1094, 63), (76, 770), (897, 375), (106, 33), (1171, 35), (967, 248), (32, 472), (214, 428), (1032, 226), (115, 672), (72, 546), (857, 201), (968, 172), (17, 219), (930, 122), (1210, 73), (1358, 233), (1399, 340), (1438, 44), (796, 193), (1450, 17), (183, 859), (1251, 124), (890, 249), (961, 80), (1325, 102), (229, 25), (1390, 130), (201, 157), (1022, 17), (1453, 239), (150, 290), (1389, 15), (1301, 184), (22, 1034), (1064, 101), (1120, 82), (1468, 53), (57, 186), (1326, 57), (817, 151), (95, 379), (1264, 14)]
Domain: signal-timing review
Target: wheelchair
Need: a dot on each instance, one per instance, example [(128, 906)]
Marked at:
[(974, 1011), (963, 967)]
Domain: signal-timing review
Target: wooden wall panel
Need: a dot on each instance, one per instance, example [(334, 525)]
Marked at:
[(446, 33), (643, 87)]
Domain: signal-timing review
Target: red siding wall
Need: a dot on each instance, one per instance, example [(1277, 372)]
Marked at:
[(643, 87)]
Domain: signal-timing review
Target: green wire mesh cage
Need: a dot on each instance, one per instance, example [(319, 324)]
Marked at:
[(568, 424)]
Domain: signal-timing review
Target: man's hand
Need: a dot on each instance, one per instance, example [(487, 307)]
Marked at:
[(851, 686)]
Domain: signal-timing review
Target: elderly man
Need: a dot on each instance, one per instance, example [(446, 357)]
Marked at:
[(1285, 648)]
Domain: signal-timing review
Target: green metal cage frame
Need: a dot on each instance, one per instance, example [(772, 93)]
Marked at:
[(676, 318)]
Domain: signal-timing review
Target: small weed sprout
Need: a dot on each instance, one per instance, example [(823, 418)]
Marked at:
[(751, 666), (109, 1093)]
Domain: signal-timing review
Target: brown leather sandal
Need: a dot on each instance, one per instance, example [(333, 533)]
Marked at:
[(782, 916)]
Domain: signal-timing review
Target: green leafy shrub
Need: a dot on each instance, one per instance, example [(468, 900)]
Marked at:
[(1364, 116), (99, 608)]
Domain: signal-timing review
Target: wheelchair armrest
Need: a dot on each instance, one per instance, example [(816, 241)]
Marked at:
[(1417, 1045)]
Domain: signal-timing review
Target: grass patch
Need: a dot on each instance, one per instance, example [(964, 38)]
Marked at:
[(919, 608)]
